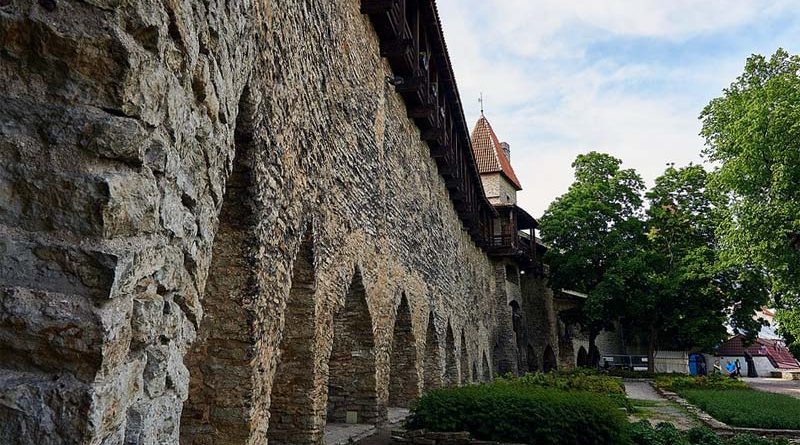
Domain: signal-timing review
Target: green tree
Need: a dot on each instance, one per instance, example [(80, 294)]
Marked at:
[(752, 134), (691, 294), (588, 230), (658, 273)]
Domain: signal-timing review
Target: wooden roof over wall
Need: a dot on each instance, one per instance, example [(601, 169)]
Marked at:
[(411, 38)]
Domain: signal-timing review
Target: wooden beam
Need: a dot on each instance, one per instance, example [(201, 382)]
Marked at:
[(432, 135), (421, 111), (373, 7), (396, 47)]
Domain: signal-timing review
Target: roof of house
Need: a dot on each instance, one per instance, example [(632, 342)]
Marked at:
[(489, 155), (775, 350)]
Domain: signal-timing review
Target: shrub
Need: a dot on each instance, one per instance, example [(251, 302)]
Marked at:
[(631, 374), (517, 412), (713, 381), (574, 380), (642, 433)]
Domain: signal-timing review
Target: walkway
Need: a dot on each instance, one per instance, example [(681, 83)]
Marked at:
[(364, 434), (641, 390), (651, 406), (779, 386)]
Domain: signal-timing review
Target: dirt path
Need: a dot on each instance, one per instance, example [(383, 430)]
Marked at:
[(651, 406)]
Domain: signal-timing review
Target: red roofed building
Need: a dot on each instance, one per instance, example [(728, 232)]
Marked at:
[(494, 164), (768, 354), (500, 184)]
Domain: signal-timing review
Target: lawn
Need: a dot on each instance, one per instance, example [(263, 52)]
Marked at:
[(747, 407)]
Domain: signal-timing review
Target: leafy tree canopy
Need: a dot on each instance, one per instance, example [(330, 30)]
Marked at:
[(656, 271), (752, 135), (591, 226)]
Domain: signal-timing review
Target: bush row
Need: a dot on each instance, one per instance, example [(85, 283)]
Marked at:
[(643, 433), (514, 412), (676, 383), (577, 408), (575, 380)]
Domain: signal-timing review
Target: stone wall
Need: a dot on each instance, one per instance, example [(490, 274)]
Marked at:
[(498, 189), (508, 194), (167, 168), (540, 321)]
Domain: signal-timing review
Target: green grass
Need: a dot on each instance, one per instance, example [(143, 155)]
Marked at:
[(746, 407), (646, 403)]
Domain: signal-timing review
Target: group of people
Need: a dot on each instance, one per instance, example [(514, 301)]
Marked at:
[(733, 369)]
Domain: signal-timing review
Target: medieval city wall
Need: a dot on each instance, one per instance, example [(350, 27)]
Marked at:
[(173, 173), (542, 346)]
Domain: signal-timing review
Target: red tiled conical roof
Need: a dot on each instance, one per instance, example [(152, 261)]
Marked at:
[(489, 155)]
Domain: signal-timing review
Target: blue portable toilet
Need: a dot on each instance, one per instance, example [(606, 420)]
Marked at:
[(697, 364)]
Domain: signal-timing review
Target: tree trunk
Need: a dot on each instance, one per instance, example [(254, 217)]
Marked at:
[(651, 351)]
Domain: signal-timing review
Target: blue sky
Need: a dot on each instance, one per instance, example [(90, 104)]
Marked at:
[(629, 78)]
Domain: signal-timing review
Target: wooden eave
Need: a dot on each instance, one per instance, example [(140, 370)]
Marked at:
[(411, 39)]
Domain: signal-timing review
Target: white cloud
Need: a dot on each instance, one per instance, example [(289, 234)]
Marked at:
[(530, 26), (552, 98)]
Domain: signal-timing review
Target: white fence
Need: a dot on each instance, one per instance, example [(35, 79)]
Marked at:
[(672, 361)]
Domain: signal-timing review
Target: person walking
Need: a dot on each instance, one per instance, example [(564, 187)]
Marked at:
[(730, 368)]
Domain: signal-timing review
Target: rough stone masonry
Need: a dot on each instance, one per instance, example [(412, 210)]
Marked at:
[(218, 225)]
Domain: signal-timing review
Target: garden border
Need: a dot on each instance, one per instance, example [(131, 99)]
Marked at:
[(721, 427), (425, 437)]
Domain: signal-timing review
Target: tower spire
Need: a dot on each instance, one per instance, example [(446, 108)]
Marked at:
[(480, 100)]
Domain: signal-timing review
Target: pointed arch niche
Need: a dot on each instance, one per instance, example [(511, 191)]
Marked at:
[(403, 374), (487, 370), (464, 360), (352, 392), (450, 367), (293, 416), (532, 359), (433, 366), (223, 372), (549, 360)]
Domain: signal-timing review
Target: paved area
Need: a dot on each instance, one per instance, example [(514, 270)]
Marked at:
[(780, 386), (651, 406), (343, 433), (641, 390), (363, 434)]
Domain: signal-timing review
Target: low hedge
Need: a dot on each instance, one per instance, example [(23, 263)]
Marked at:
[(713, 381), (576, 380), (514, 412), (643, 433), (631, 374)]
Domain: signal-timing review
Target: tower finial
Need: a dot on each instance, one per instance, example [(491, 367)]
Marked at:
[(480, 100)]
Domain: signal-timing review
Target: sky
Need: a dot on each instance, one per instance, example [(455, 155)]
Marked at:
[(629, 78)]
